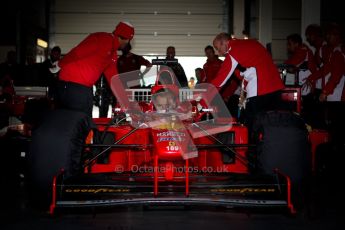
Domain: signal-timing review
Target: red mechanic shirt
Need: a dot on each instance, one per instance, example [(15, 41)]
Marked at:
[(131, 62), (250, 53), (322, 54), (335, 66), (211, 68), (231, 88), (321, 57), (337, 70), (85, 63), (301, 55)]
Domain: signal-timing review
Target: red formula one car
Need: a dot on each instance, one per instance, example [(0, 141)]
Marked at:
[(163, 146)]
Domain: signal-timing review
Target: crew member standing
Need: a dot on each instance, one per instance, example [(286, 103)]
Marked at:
[(176, 67), (84, 64), (302, 58), (212, 65), (314, 36), (334, 70), (129, 61)]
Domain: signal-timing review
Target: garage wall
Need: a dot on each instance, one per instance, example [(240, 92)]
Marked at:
[(286, 19), (189, 25)]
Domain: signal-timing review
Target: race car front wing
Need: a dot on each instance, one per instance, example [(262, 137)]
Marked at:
[(229, 190)]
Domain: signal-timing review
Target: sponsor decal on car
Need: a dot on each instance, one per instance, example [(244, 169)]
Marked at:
[(244, 190), (96, 190), (171, 134)]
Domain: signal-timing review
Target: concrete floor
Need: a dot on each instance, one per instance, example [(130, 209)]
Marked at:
[(167, 219), (16, 214)]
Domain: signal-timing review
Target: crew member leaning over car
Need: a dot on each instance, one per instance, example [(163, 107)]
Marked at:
[(261, 79), (85, 63)]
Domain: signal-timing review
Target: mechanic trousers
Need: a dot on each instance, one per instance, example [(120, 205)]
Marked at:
[(258, 104), (75, 96)]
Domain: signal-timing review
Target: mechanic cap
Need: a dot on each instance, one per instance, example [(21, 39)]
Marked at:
[(125, 30)]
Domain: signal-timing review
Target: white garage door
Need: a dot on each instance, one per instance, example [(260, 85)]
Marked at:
[(189, 25)]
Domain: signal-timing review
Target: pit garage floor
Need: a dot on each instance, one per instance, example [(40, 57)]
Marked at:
[(16, 214), (167, 219)]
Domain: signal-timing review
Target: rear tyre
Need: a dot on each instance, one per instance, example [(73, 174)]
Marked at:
[(282, 143)]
